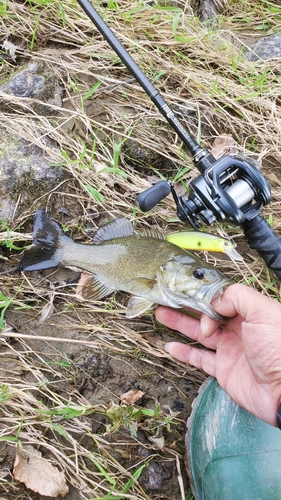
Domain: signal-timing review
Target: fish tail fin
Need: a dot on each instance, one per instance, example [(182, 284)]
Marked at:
[(46, 236)]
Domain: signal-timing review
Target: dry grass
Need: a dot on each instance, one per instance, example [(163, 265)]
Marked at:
[(196, 68)]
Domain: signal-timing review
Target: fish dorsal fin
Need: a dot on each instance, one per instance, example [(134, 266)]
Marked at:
[(116, 229), (123, 227), (94, 289), (151, 232), (137, 306)]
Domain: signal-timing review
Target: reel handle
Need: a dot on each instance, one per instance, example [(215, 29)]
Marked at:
[(151, 196), (262, 238)]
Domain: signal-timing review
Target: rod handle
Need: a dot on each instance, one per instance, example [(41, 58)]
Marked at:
[(264, 240)]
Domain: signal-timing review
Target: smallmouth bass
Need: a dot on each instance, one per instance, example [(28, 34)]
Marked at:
[(143, 264)]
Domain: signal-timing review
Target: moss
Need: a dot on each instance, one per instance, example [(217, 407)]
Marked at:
[(31, 188), (8, 147)]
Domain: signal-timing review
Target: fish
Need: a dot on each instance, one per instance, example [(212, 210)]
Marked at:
[(197, 240), (143, 264)]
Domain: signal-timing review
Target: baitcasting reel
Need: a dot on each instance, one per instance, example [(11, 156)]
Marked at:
[(228, 189)]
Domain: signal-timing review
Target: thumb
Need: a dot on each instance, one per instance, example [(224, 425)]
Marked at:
[(247, 302)]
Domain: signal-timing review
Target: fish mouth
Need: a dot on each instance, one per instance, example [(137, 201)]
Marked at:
[(209, 293)]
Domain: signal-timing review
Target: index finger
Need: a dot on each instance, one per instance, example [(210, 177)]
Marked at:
[(187, 325)]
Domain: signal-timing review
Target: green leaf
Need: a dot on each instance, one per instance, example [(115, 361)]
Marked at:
[(92, 91), (98, 196)]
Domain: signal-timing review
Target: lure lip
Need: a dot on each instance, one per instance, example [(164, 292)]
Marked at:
[(233, 254)]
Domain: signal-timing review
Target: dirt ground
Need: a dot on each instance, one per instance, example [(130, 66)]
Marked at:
[(100, 375)]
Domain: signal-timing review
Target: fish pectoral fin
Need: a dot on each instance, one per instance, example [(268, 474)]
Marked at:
[(116, 229), (95, 289), (140, 285), (137, 306)]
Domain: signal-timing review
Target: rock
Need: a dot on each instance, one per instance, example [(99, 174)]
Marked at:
[(268, 47), (137, 155), (37, 81), (26, 172), (210, 9), (154, 475)]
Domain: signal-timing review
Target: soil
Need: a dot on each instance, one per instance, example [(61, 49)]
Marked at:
[(135, 361)]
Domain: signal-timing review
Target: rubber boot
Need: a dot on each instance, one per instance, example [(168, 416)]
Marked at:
[(231, 455)]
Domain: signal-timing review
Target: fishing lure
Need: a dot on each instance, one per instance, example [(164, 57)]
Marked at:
[(196, 240)]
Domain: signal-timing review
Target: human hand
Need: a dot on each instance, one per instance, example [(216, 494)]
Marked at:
[(244, 353)]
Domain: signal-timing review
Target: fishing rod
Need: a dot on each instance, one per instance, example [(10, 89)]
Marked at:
[(227, 190)]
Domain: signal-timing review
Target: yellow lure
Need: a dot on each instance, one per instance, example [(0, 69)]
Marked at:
[(195, 240)]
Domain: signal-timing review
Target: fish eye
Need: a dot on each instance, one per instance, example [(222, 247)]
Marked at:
[(198, 274)]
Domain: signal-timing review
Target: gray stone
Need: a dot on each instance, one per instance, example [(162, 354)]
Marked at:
[(26, 173), (37, 81), (210, 9), (268, 47)]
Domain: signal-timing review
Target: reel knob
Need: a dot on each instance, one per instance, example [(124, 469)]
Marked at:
[(151, 196)]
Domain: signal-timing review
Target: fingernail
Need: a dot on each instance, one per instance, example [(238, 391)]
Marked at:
[(216, 302), (167, 346), (203, 327)]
